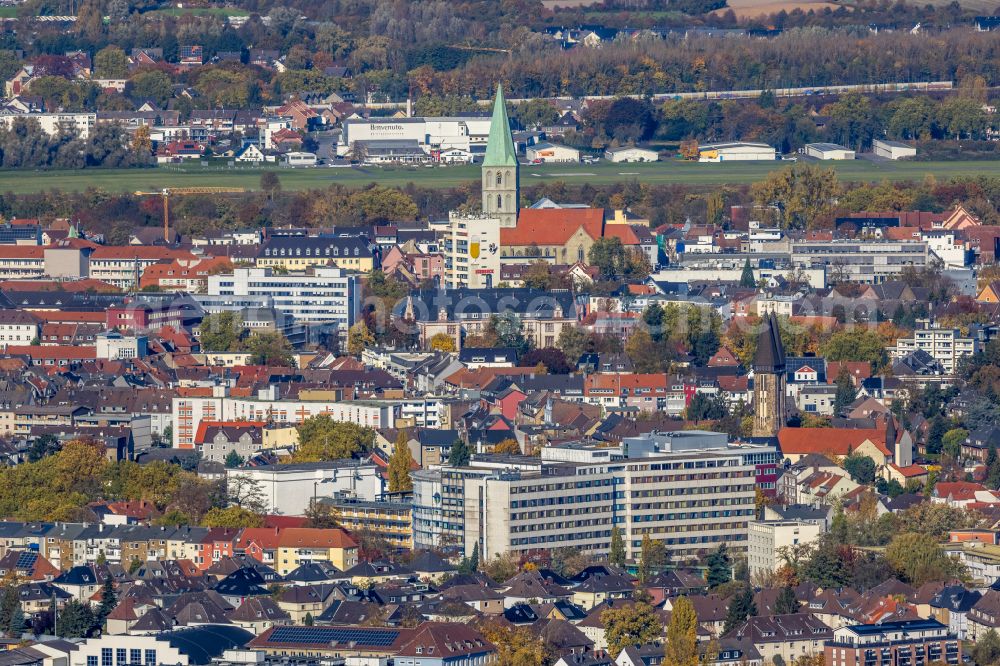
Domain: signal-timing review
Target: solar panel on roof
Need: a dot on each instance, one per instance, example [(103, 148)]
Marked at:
[(26, 560), (322, 635)]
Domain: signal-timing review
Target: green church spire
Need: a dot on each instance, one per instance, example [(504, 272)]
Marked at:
[(500, 146)]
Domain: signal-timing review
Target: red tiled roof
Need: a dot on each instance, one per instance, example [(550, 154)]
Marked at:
[(553, 226), (175, 270), (12, 364), (75, 243), (178, 338), (194, 391), (857, 369), (640, 289), (480, 377), (285, 135), (308, 537), (22, 252), (733, 383), (53, 352), (140, 509), (66, 317), (623, 232), (723, 358), (131, 252), (273, 521), (910, 471), (617, 382), (902, 233), (266, 537), (836, 441), (958, 489), (86, 284), (297, 106)]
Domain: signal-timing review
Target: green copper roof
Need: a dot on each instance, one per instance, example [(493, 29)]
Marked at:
[(500, 147)]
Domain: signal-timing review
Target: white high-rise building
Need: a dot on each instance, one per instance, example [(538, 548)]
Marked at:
[(318, 295), (471, 248), (946, 345), (769, 539)]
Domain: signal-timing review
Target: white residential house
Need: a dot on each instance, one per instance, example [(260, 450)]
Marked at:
[(251, 154), (17, 327)]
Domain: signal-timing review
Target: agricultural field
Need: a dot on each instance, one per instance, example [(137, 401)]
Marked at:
[(128, 180), (745, 9)]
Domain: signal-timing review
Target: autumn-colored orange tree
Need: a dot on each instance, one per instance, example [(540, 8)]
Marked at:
[(508, 446), (516, 646)]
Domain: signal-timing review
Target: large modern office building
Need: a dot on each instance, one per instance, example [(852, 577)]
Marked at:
[(317, 295), (692, 490)]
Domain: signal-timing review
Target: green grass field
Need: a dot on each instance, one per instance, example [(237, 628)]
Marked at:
[(128, 180)]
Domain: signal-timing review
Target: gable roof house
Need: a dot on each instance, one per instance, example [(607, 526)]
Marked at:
[(445, 644), (787, 637), (258, 614), (984, 615)]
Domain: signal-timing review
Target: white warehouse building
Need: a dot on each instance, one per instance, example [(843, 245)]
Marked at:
[(468, 133), (828, 151), (289, 488), (631, 154), (552, 152), (893, 150), (736, 152)]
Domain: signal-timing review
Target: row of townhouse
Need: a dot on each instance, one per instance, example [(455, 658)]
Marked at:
[(638, 392), (120, 266), (66, 545), (189, 411)]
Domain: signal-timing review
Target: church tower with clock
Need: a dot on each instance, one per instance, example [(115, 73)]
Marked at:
[(500, 168)]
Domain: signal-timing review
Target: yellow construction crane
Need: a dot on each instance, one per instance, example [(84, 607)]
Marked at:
[(168, 192)]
